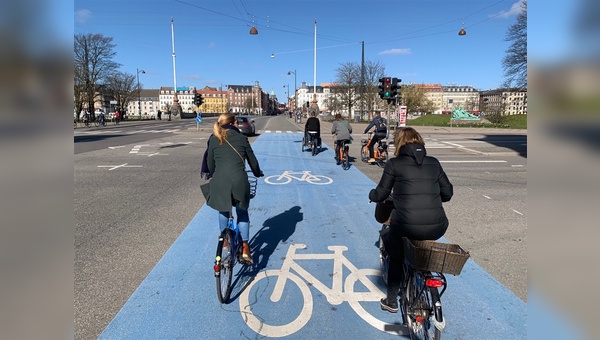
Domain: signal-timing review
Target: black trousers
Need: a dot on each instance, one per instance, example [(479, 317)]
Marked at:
[(376, 138)]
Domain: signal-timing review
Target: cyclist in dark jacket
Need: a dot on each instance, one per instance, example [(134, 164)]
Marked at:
[(312, 124), (380, 133), (418, 185)]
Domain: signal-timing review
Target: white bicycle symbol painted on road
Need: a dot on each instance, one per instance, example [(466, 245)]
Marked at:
[(369, 292), (305, 176)]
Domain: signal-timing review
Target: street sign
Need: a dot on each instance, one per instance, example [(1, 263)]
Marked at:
[(402, 115), (199, 119)]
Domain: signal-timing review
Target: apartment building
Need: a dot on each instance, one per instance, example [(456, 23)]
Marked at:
[(455, 96), (149, 104), (214, 100), (434, 93), (509, 102), (185, 95)]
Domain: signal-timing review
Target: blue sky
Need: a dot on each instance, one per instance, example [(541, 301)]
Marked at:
[(417, 41)]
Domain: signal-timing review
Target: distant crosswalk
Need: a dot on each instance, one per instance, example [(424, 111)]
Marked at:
[(125, 132)]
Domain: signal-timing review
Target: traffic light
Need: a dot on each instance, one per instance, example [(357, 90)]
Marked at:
[(381, 86), (395, 93), (387, 88), (198, 100)]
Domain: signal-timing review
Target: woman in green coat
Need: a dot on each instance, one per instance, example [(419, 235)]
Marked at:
[(227, 150)]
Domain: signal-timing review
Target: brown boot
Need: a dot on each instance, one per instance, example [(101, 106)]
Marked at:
[(246, 256)]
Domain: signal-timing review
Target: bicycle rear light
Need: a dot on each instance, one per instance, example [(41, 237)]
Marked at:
[(434, 283), (217, 267)]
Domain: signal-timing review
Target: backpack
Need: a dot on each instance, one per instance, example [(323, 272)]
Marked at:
[(382, 126)]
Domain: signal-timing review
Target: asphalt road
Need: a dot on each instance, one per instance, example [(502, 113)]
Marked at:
[(136, 192)]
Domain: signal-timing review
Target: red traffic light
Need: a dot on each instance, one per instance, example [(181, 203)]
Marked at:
[(388, 80)]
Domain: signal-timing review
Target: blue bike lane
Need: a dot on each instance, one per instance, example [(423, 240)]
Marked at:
[(316, 267)]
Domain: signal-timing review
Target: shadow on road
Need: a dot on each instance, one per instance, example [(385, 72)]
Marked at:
[(93, 138), (517, 143), (274, 231)]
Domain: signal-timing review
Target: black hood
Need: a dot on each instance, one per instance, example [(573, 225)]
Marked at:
[(416, 151)]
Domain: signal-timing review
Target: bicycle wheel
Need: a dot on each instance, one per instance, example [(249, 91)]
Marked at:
[(97, 123), (364, 153), (416, 305), (224, 262), (303, 143), (383, 158), (314, 147), (345, 159)]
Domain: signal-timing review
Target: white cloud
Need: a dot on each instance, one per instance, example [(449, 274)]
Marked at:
[(394, 51), (514, 10), (82, 16)]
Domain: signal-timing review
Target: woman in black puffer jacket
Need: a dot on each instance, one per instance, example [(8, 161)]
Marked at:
[(419, 186)]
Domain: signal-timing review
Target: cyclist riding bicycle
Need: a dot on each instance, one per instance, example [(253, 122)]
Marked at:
[(341, 129), (313, 125), (380, 133), (419, 186), (228, 149)]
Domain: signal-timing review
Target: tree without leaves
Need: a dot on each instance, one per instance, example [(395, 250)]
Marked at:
[(348, 84), (93, 55), (373, 72), (122, 87), (515, 60)]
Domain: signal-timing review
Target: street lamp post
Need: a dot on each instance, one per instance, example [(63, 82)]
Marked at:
[(139, 94), (295, 97)]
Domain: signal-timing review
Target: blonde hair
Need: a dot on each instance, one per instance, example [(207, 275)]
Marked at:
[(224, 119), (405, 136)]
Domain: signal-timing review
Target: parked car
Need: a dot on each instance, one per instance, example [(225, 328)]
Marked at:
[(246, 125)]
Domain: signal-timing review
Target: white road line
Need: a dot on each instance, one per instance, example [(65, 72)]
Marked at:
[(116, 147), (267, 131), (520, 213), (137, 148), (113, 167), (488, 197), (158, 154), (453, 144), (473, 161), (517, 165)]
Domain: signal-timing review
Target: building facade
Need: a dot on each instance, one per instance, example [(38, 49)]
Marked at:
[(185, 95), (149, 104), (214, 100)]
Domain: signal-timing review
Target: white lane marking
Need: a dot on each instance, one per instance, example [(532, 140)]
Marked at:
[(454, 144), (472, 161), (517, 165), (488, 197), (124, 165), (137, 148), (158, 154), (520, 213), (116, 147)]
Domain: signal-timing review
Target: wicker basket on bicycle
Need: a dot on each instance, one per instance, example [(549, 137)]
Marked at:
[(435, 256)]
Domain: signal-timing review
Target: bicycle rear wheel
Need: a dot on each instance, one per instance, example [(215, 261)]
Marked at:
[(345, 159), (224, 262), (416, 305)]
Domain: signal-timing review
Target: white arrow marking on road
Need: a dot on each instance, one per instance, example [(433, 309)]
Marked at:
[(113, 167)]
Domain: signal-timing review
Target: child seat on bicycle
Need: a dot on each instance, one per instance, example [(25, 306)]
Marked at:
[(419, 185)]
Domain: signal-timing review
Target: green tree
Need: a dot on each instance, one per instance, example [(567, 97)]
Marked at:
[(515, 60)]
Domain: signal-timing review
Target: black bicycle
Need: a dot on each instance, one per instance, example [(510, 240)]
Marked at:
[(342, 156), (312, 142), (229, 252), (424, 283)]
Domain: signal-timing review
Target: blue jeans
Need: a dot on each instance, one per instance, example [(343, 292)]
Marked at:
[(243, 221)]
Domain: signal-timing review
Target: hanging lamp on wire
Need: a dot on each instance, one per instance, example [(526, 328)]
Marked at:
[(253, 30), (462, 30)]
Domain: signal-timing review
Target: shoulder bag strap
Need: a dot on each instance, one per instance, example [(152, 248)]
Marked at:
[(242, 158)]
